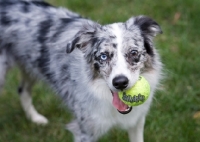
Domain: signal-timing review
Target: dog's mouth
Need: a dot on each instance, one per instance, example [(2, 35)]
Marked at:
[(119, 105)]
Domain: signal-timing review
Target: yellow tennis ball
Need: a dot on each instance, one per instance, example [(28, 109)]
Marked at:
[(137, 94)]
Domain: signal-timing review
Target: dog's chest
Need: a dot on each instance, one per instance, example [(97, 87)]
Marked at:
[(106, 116)]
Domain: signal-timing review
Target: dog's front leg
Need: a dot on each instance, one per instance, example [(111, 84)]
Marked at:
[(80, 132), (136, 133)]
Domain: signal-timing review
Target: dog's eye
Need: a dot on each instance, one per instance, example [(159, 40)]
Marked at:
[(134, 52), (104, 57)]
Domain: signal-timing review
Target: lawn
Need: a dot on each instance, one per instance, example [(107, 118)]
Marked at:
[(171, 116)]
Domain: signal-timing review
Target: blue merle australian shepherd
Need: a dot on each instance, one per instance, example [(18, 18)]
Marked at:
[(85, 63)]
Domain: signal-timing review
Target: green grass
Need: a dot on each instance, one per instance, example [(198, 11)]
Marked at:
[(171, 116)]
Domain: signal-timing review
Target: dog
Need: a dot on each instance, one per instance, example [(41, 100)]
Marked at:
[(85, 63)]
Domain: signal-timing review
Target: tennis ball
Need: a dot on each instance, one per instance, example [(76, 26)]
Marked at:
[(137, 94)]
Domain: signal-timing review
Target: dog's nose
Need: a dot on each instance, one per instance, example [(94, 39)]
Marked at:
[(120, 82)]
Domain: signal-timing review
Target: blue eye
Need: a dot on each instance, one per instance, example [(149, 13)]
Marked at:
[(104, 57)]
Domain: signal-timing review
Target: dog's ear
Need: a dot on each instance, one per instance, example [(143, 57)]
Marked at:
[(149, 29), (148, 26), (83, 38)]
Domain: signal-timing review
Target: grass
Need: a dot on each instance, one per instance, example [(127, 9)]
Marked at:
[(171, 116)]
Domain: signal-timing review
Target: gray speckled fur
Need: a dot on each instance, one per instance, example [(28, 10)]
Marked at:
[(37, 36)]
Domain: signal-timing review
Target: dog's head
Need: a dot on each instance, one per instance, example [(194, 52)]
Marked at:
[(118, 52)]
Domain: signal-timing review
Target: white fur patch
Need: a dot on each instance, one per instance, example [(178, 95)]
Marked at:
[(121, 67), (30, 110)]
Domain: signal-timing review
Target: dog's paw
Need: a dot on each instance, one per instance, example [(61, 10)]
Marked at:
[(39, 119)]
